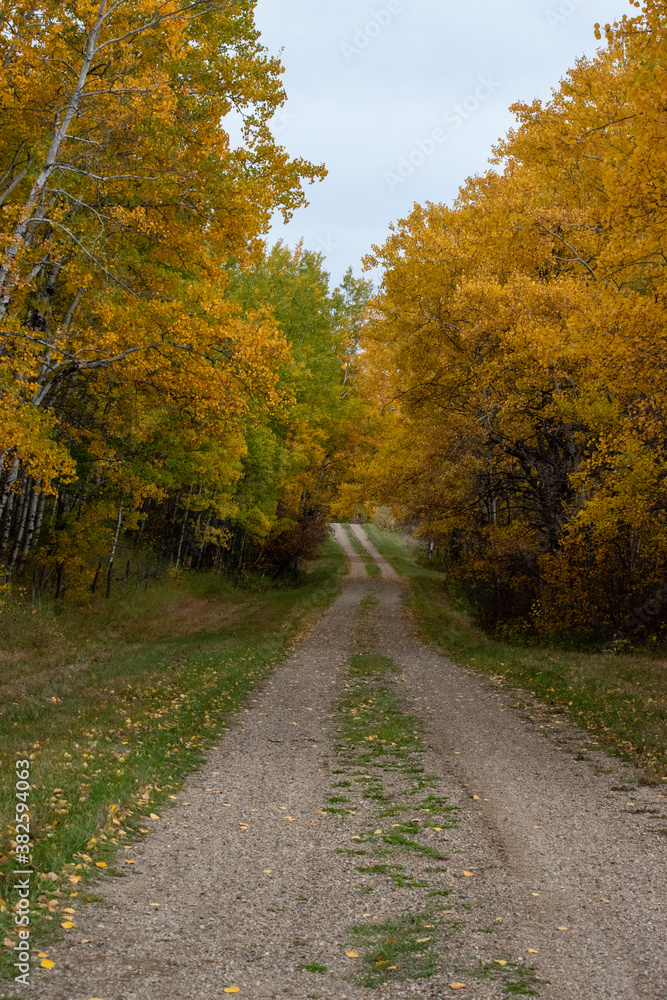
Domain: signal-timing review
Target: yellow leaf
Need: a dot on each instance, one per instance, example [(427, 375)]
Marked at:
[(421, 940), (351, 954), (231, 989), (47, 964), (533, 951), (457, 986), (153, 816), (68, 909), (128, 862), (500, 961), (41, 954), (438, 828), (392, 967), (67, 924), (243, 826), (469, 874), (378, 831), (291, 819), (100, 864), (267, 871), (153, 904), (476, 798), (563, 928), (534, 893)]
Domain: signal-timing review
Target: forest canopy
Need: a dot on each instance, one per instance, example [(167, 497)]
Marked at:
[(162, 378), (517, 349)]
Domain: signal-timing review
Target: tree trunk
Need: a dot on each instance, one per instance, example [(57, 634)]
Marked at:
[(113, 550)]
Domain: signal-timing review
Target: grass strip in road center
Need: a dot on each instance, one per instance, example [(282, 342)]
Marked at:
[(372, 567), (380, 747)]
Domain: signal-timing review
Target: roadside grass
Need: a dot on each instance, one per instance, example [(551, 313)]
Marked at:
[(372, 567), (620, 701), (113, 716)]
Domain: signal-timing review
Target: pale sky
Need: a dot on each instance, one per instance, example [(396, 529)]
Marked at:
[(403, 99)]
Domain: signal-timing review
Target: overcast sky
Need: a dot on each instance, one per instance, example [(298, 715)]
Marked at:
[(402, 101)]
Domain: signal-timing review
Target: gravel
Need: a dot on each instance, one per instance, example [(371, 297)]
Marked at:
[(250, 885)]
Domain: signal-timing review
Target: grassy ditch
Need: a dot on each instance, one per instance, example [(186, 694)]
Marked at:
[(621, 701), (371, 566), (114, 706)]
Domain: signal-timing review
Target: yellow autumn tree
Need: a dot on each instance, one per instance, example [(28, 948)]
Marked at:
[(518, 341), (122, 203)]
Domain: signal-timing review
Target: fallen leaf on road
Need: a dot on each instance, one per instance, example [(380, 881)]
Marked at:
[(47, 964), (533, 951), (601, 899), (153, 904), (153, 816), (421, 940), (231, 989), (351, 954), (67, 924), (243, 826), (457, 986), (534, 893), (476, 798), (100, 864), (469, 874), (267, 871), (292, 819), (438, 828), (128, 862), (563, 928), (500, 961), (312, 824), (537, 828), (378, 831)]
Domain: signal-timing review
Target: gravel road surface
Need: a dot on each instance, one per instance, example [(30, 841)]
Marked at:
[(556, 864)]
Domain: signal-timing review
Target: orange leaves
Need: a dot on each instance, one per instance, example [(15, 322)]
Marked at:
[(520, 342)]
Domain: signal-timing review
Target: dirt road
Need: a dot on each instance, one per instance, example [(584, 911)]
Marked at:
[(373, 784)]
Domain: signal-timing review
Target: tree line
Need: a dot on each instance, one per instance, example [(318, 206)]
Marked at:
[(165, 382), (517, 350)]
